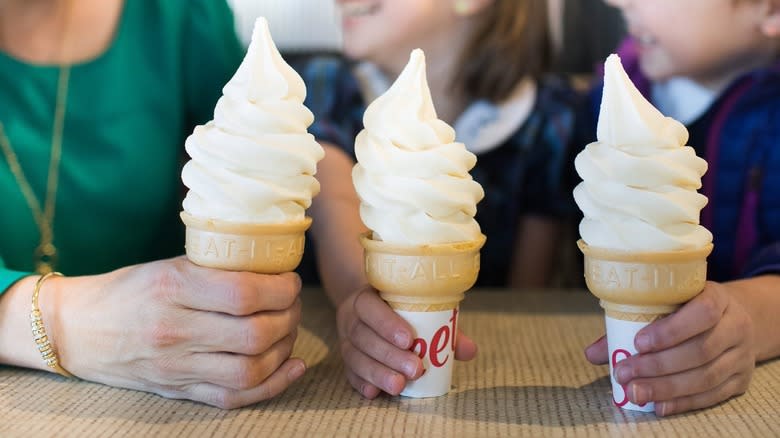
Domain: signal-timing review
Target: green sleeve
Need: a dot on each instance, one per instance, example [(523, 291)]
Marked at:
[(212, 54), (8, 276)]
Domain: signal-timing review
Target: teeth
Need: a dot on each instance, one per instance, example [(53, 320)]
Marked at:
[(646, 39), (358, 9)]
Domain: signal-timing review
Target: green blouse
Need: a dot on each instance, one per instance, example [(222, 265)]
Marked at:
[(128, 114)]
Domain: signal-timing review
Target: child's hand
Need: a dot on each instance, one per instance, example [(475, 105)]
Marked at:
[(375, 344), (699, 356)]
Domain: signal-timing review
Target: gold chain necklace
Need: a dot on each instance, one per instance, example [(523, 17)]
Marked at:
[(45, 255)]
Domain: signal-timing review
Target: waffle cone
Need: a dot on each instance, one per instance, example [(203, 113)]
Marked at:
[(644, 285), (424, 278), (232, 246)]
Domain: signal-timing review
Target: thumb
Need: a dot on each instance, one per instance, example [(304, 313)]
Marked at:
[(597, 353), (465, 348)]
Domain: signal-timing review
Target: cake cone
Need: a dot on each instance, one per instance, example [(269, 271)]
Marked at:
[(645, 283), (637, 288), (425, 285), (425, 278), (260, 248)]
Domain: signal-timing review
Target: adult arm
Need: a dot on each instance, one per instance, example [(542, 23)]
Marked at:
[(168, 327)]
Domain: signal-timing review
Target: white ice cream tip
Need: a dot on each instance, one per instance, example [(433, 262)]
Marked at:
[(264, 73), (627, 118)]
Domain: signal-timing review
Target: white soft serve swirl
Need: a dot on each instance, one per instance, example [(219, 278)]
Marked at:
[(412, 177), (639, 179), (255, 162)]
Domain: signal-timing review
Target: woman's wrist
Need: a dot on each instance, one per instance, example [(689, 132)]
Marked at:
[(17, 346)]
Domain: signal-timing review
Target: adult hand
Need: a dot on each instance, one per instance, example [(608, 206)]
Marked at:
[(182, 331), (375, 344), (696, 357)]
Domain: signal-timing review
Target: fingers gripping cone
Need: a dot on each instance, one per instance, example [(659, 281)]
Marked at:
[(637, 288), (424, 285)]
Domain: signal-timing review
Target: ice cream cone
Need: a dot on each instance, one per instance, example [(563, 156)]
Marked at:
[(425, 284), (425, 278), (647, 283), (637, 288), (261, 248)]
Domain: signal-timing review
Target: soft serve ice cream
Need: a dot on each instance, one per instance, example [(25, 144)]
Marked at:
[(639, 179), (412, 177), (255, 162)]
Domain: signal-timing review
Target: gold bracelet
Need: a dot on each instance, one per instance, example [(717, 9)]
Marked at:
[(39, 331)]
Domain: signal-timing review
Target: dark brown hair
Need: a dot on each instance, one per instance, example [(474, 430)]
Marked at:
[(510, 41)]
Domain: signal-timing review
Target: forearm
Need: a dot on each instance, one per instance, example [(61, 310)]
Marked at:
[(339, 254), (337, 227), (761, 298)]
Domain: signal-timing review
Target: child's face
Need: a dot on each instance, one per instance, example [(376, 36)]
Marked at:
[(386, 31), (708, 41)]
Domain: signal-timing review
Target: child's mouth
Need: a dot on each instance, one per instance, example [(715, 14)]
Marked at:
[(359, 9), (644, 39)]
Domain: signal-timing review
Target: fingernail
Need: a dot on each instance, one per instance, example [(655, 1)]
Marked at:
[(401, 340), (662, 408), (643, 343), (638, 394), (410, 369), (394, 384), (296, 371), (623, 373)]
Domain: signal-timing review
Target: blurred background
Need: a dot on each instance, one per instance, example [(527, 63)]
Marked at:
[(296, 25), (583, 32)]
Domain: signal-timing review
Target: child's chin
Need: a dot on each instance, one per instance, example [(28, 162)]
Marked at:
[(354, 50)]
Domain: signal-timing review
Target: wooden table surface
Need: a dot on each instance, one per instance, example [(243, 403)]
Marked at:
[(530, 379)]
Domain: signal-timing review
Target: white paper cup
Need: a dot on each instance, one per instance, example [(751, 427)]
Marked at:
[(434, 344), (620, 340)]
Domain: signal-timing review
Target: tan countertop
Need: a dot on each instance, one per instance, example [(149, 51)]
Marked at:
[(530, 379)]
